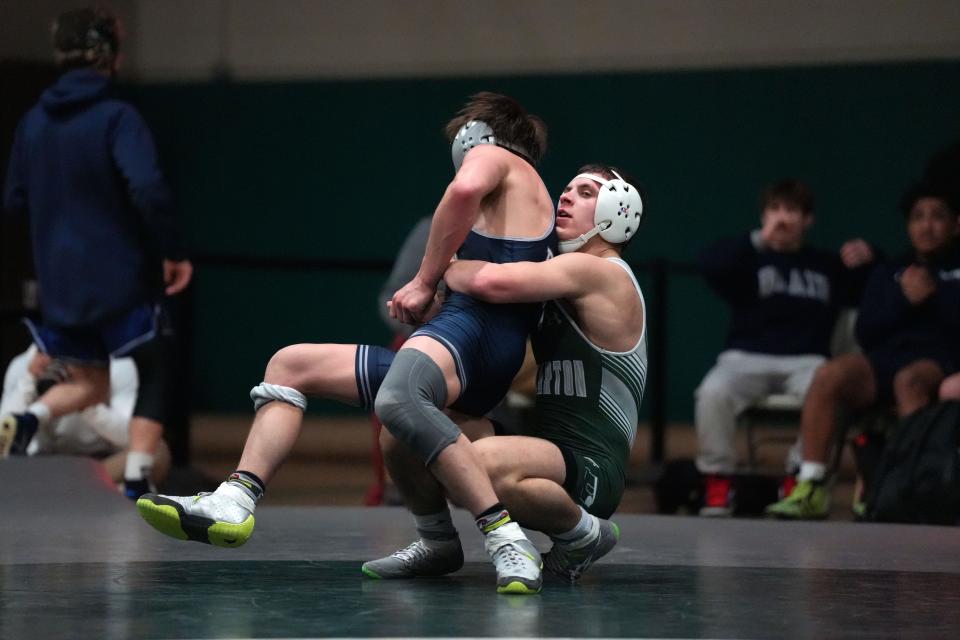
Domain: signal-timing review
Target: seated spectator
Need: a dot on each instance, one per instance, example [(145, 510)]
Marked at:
[(909, 329), (785, 297), (100, 431)]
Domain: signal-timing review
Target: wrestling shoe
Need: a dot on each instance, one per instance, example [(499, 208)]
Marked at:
[(16, 432), (570, 563), (418, 560), (718, 496), (223, 518), (517, 561), (810, 500)]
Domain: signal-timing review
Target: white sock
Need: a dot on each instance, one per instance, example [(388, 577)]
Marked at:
[(139, 465), (814, 471), (436, 529), (41, 411), (586, 530)]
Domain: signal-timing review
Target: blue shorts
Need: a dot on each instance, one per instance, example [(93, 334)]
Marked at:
[(370, 368), (94, 345), (487, 342)]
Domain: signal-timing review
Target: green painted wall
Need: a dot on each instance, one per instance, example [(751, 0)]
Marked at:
[(343, 169)]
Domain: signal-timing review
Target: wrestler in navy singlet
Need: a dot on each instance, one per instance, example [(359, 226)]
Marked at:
[(487, 341)]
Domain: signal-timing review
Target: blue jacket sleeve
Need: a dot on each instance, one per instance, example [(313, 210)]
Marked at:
[(135, 155), (15, 189), (730, 268), (883, 309)]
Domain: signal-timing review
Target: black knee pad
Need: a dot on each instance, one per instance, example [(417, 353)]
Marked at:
[(410, 402), (153, 372)]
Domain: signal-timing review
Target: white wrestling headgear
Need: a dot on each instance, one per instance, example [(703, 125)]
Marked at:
[(478, 132), (617, 216)]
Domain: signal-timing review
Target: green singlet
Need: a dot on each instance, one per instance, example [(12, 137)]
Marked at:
[(588, 402)]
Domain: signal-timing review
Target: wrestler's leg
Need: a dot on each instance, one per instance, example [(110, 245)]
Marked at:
[(422, 381), (529, 476), (314, 370), (225, 517)]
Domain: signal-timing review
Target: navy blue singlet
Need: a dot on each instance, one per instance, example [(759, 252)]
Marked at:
[(487, 341)]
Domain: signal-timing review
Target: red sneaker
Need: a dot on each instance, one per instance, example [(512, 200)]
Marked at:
[(718, 497)]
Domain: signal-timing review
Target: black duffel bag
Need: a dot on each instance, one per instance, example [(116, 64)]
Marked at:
[(918, 480)]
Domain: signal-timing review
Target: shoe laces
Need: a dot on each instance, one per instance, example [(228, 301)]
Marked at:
[(210, 504), (509, 557), (565, 571), (412, 553), (563, 563)]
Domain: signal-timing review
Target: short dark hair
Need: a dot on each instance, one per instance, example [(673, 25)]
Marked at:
[(927, 189), (790, 191), (86, 37), (607, 171), (508, 119)]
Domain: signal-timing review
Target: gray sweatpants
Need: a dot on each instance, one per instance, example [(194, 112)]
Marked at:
[(738, 380)]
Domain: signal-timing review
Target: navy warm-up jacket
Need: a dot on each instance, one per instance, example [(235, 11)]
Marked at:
[(781, 303), (84, 168)]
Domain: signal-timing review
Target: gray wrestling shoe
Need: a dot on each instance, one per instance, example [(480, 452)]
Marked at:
[(570, 564), (417, 561)]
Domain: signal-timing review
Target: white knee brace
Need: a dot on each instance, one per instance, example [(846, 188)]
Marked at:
[(266, 392)]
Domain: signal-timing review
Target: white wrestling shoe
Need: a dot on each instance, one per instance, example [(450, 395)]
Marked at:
[(516, 560), (223, 518)]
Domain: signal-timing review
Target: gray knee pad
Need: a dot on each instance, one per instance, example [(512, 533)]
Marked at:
[(266, 392), (409, 405)]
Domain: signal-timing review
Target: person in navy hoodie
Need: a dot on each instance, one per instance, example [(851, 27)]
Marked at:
[(106, 247), (785, 297), (909, 329)]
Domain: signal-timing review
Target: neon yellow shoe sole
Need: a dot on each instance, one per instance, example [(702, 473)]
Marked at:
[(518, 588), (169, 518), (8, 431)]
